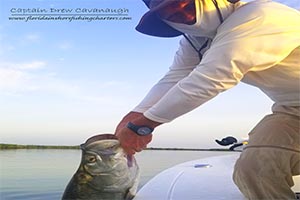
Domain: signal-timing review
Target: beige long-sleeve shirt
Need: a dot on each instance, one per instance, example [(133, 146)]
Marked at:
[(259, 44)]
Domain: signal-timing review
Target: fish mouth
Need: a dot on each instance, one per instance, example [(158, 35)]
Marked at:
[(103, 144), (100, 137), (105, 152)]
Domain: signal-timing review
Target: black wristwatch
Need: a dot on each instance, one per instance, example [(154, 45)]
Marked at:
[(140, 130)]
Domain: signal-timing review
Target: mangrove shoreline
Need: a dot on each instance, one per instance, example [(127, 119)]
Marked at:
[(18, 146)]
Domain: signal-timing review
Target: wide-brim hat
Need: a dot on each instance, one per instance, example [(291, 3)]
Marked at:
[(151, 24)]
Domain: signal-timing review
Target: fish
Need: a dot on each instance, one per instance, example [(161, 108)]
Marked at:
[(105, 172)]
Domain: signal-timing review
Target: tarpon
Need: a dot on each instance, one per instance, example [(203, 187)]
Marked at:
[(105, 172)]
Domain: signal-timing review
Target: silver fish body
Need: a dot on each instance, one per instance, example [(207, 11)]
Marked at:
[(105, 172)]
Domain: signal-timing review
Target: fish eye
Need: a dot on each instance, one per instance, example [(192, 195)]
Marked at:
[(91, 159)]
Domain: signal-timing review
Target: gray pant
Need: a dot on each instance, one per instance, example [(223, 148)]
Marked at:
[(266, 166)]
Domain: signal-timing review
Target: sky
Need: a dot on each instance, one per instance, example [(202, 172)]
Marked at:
[(63, 81)]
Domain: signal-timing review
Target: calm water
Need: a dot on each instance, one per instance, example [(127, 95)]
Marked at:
[(43, 174)]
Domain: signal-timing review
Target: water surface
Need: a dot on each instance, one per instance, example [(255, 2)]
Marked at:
[(35, 174)]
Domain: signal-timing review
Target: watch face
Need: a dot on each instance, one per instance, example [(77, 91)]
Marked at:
[(144, 131)]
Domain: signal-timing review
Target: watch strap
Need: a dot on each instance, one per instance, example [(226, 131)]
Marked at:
[(135, 128), (132, 127)]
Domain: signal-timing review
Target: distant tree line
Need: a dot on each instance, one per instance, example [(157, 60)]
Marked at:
[(186, 149), (18, 146)]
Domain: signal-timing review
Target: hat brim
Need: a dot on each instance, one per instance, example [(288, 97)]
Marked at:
[(151, 24)]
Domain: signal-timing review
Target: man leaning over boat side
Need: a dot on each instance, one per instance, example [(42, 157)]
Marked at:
[(223, 43)]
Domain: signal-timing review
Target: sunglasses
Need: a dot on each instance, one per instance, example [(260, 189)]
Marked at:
[(179, 11)]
